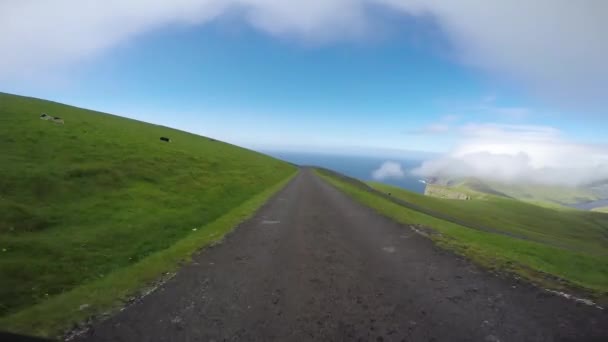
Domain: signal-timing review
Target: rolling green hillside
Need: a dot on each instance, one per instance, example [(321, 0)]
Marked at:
[(546, 194), (100, 193), (553, 247), (566, 228)]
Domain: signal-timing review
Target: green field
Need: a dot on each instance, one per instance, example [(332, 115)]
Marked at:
[(562, 249), (547, 195), (601, 210), (101, 196), (580, 231)]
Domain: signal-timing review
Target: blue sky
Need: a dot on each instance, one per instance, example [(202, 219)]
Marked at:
[(358, 76)]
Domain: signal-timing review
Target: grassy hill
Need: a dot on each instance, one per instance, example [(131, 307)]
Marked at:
[(558, 248), (566, 228), (98, 194), (546, 194)]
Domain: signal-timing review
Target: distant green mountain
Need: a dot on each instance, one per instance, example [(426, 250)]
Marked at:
[(600, 189), (548, 194)]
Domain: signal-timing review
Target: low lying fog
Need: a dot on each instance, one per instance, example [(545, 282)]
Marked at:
[(520, 154)]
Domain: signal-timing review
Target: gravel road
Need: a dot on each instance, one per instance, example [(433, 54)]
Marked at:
[(313, 265)]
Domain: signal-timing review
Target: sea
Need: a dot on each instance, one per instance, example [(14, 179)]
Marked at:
[(362, 167), (357, 167)]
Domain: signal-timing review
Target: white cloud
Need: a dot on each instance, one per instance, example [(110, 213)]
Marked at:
[(511, 133), (43, 35), (516, 154), (442, 126), (556, 48), (388, 170), (488, 106)]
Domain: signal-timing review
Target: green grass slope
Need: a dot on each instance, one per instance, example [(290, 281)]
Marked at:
[(583, 265), (559, 194), (98, 194), (549, 195), (566, 228)]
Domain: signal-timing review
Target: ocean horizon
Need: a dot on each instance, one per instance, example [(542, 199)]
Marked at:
[(360, 167)]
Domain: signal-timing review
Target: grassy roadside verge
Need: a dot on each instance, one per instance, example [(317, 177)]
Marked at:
[(576, 230), (53, 317), (99, 193), (542, 264)]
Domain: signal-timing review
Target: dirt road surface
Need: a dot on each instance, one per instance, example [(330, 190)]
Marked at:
[(313, 265)]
